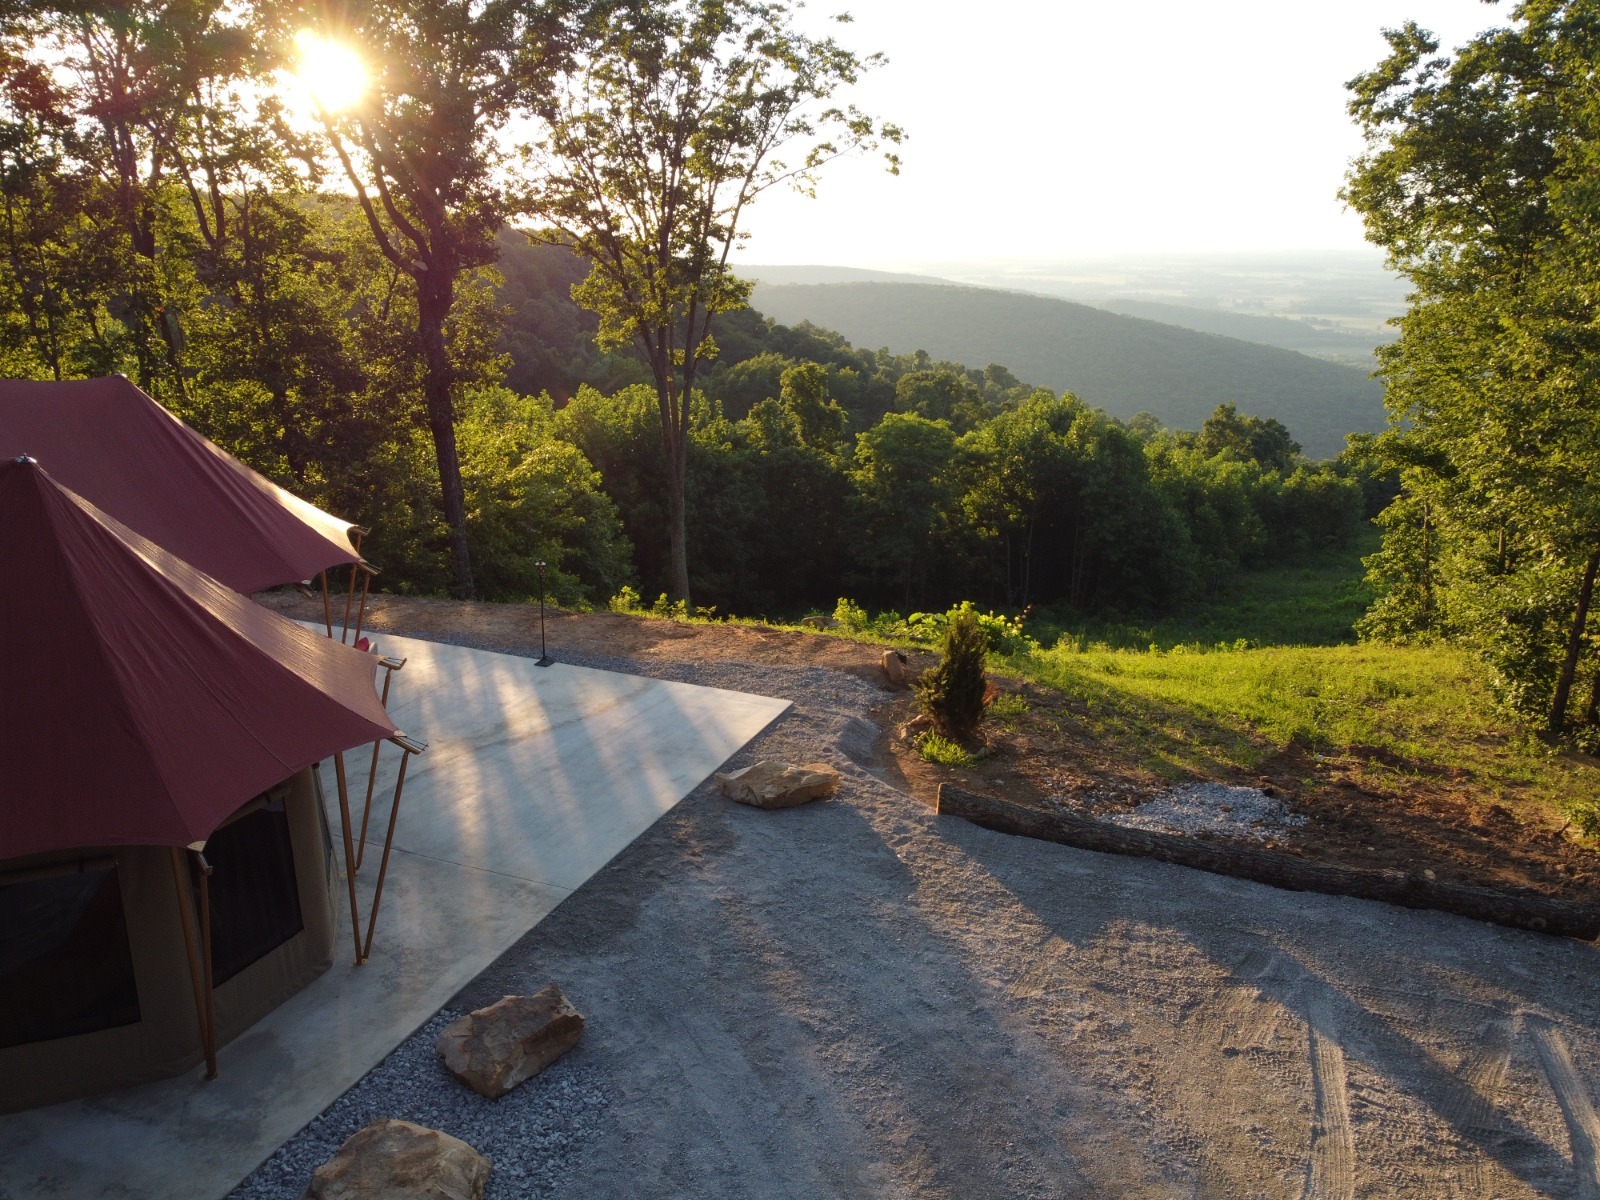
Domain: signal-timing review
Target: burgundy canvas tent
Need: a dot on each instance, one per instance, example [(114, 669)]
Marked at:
[(145, 705), (143, 701), (120, 450)]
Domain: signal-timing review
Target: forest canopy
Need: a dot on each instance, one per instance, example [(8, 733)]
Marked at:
[(346, 296)]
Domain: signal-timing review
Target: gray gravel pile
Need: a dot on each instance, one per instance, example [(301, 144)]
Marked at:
[(1212, 808), (532, 1135)]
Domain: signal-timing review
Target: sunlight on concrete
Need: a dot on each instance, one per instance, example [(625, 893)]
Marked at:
[(535, 778)]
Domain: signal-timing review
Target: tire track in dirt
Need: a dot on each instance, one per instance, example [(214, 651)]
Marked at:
[(1583, 1125), (1331, 1171), (1472, 1105)]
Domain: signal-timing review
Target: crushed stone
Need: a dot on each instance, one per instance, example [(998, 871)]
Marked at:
[(533, 1134), (1218, 809)]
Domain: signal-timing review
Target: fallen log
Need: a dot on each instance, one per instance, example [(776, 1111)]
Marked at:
[(1517, 909)]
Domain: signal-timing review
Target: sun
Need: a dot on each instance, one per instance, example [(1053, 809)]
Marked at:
[(332, 75)]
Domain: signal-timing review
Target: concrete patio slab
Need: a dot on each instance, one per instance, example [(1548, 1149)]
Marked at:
[(535, 778)]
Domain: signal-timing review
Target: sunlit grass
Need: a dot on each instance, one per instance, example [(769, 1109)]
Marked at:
[(942, 750), (1426, 707)]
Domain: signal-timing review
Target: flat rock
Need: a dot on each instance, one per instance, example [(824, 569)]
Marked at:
[(495, 1048), (779, 785), (396, 1160)]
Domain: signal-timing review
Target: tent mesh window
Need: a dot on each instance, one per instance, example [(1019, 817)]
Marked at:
[(255, 896), (66, 967)]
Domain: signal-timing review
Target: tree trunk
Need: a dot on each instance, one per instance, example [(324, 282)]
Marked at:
[(433, 305), (1569, 664), (1519, 910), (677, 524)]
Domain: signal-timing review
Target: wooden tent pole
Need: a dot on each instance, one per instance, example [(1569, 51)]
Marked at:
[(186, 919), (327, 606), (205, 961), (361, 613), (349, 598), (349, 853), (390, 666), (409, 747)]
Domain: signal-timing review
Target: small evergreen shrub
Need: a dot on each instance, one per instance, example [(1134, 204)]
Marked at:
[(952, 693), (625, 601)]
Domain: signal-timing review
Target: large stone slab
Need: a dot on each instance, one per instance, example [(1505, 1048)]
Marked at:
[(495, 1048), (396, 1160), (779, 785)]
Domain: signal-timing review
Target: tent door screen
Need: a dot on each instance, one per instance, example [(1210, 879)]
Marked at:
[(255, 897), (65, 964)]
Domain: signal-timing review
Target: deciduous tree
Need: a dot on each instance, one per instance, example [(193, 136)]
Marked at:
[(679, 115)]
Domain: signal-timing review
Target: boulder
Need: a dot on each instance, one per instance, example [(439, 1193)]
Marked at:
[(495, 1048), (396, 1160), (779, 785), (897, 667)]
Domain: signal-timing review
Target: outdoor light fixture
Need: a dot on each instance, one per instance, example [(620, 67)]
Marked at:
[(544, 656)]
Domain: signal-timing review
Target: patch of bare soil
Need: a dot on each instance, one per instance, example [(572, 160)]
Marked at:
[(1364, 807)]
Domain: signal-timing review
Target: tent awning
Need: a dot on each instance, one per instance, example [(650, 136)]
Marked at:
[(142, 701), (120, 450)]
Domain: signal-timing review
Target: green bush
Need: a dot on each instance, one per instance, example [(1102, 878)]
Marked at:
[(945, 752), (952, 693), (852, 618)]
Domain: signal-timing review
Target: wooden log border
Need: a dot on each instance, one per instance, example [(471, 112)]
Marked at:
[(1519, 910)]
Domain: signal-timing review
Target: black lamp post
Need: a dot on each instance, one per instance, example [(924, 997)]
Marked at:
[(544, 657)]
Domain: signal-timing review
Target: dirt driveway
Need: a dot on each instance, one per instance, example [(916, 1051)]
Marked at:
[(860, 998)]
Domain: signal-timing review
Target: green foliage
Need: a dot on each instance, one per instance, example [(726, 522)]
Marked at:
[(850, 616), (945, 752), (675, 120), (625, 601), (1122, 364), (952, 693), (1479, 181)]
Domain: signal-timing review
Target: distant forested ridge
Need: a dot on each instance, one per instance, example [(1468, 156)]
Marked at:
[(818, 468), (1122, 364)]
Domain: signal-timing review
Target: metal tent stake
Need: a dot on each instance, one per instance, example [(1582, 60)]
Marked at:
[(390, 666), (409, 746), (544, 656)]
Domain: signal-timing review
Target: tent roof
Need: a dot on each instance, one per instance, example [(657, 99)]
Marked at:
[(141, 701), (120, 450)]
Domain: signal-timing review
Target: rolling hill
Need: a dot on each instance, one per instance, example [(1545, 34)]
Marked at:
[(1120, 363)]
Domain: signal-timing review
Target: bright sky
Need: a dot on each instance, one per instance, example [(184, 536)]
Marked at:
[(1059, 129)]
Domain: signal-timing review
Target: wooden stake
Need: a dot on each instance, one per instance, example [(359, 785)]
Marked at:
[(349, 854), (196, 978)]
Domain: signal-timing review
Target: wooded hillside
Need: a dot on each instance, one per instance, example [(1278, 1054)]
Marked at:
[(1124, 365)]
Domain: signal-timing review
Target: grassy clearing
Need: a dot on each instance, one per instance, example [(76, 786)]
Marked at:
[(1422, 712), (1273, 664), (1308, 602)]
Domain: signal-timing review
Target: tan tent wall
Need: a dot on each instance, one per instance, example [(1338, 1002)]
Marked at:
[(166, 1039)]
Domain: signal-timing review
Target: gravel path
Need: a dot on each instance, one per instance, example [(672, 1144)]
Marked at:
[(857, 998)]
